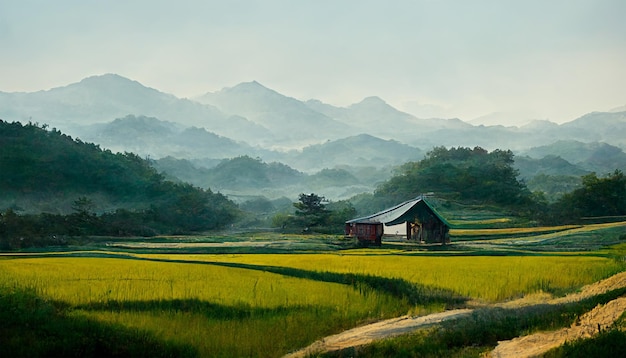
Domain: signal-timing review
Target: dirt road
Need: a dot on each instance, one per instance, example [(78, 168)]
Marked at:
[(536, 344), (527, 346), (384, 329)]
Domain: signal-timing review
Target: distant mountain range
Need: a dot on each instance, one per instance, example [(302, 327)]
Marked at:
[(260, 117), (252, 120), (243, 177)]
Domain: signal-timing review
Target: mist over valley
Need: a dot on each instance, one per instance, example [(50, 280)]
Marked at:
[(249, 140)]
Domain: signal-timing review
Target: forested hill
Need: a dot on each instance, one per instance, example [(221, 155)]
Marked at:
[(46, 171), (35, 160)]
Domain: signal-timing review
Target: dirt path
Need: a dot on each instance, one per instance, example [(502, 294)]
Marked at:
[(536, 344), (384, 329), (587, 326), (602, 316)]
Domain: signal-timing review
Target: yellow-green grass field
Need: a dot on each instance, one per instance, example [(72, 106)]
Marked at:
[(487, 278), (221, 311), (510, 231), (250, 305)]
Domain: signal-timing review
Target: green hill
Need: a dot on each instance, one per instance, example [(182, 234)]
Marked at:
[(45, 172)]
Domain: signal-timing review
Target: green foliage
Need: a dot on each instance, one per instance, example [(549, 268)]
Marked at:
[(310, 204), (611, 343), (315, 214), (36, 160), (553, 187), (311, 210), (332, 177), (461, 173), (246, 172), (340, 212), (476, 176), (33, 327), (481, 331), (598, 197), (48, 164)]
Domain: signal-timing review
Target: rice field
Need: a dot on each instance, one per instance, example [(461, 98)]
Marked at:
[(220, 311), (231, 311), (487, 278), (268, 304)]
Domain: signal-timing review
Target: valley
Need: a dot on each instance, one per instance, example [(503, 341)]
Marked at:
[(134, 221)]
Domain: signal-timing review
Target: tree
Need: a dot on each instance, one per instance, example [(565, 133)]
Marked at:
[(463, 173), (311, 210), (339, 213), (597, 197), (83, 205)]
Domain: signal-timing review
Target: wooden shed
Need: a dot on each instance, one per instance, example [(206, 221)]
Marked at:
[(423, 223)]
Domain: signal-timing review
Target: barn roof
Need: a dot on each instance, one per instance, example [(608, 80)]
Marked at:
[(399, 213)]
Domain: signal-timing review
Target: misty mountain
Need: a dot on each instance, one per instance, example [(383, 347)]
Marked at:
[(549, 165), (608, 127), (290, 121), (103, 98), (245, 172), (241, 173), (359, 150), (245, 177), (151, 137), (374, 116), (250, 119), (601, 158), (47, 171), (517, 119)]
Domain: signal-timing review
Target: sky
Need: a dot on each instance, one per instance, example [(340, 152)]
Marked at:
[(555, 59)]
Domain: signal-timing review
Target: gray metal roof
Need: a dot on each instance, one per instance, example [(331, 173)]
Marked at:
[(395, 214)]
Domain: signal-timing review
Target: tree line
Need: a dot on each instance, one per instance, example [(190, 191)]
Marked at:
[(42, 163), (46, 163), (472, 176), (477, 176)]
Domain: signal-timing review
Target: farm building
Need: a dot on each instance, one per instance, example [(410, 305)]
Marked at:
[(423, 223)]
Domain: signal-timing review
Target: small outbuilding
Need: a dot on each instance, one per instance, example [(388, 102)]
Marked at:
[(423, 223)]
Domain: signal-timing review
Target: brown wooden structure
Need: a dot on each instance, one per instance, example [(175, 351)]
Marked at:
[(423, 223)]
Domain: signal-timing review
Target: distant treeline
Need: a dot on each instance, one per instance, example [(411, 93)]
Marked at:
[(37, 162), (42, 163), (475, 175)]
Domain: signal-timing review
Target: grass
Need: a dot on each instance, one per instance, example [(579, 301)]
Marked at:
[(508, 232), (219, 311), (31, 326), (269, 304), (610, 343), (587, 238), (479, 333), (264, 301), (488, 278)]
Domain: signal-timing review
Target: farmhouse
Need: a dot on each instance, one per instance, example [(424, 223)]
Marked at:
[(423, 223)]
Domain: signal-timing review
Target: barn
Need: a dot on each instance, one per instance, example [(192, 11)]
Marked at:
[(423, 223)]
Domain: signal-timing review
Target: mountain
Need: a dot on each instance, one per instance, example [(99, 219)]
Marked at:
[(48, 171), (549, 165), (103, 98), (245, 172), (359, 150), (151, 137), (250, 119), (374, 116), (244, 177), (599, 157), (539, 126), (517, 119), (290, 121), (608, 127)]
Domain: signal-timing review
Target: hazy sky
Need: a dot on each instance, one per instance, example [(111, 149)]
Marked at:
[(547, 59)]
